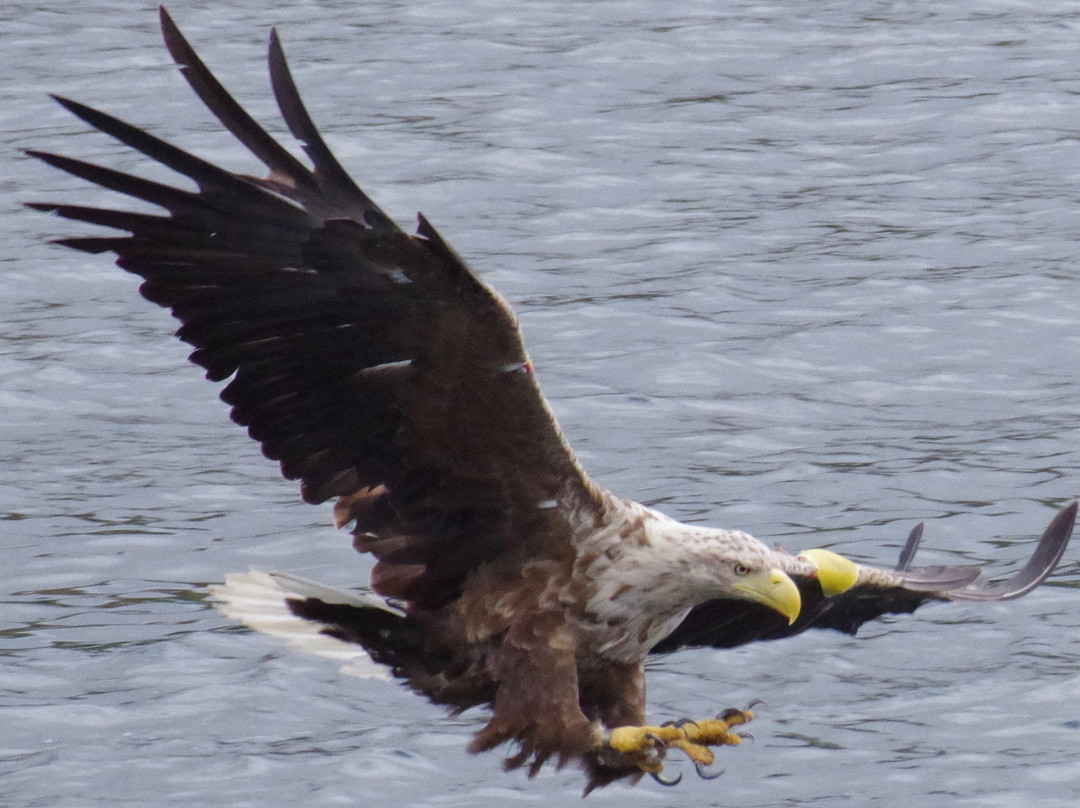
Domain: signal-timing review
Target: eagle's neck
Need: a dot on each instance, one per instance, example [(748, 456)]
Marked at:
[(645, 572)]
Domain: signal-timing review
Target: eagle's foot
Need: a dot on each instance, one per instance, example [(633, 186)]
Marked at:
[(645, 747)]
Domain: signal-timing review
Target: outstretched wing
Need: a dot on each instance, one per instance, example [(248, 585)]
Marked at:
[(725, 624), (371, 363)]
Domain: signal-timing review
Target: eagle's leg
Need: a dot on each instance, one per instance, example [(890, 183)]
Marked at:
[(645, 745)]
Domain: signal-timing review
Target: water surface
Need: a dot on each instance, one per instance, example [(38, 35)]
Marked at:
[(805, 271)]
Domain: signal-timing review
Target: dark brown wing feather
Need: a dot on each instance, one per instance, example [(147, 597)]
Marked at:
[(724, 624), (372, 364)]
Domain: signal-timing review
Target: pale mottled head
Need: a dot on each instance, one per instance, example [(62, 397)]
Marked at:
[(733, 564)]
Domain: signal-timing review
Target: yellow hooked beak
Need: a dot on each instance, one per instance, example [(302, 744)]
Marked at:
[(775, 589), (835, 573)]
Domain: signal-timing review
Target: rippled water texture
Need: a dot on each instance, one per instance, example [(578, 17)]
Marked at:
[(809, 270)]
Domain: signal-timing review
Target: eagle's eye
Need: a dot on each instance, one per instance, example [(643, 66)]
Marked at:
[(741, 570)]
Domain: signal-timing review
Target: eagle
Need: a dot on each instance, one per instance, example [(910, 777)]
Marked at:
[(383, 374)]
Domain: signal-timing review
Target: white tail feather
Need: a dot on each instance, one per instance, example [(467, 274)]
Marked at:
[(258, 600)]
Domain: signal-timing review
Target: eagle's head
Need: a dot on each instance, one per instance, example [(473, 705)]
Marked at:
[(767, 585)]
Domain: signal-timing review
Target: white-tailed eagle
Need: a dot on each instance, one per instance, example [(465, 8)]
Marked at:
[(382, 373)]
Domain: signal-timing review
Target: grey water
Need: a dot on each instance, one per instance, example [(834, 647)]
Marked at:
[(808, 270)]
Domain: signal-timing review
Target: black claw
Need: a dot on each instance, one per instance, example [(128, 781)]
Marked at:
[(682, 722), (754, 703), (730, 713), (657, 776), (657, 740), (705, 773)]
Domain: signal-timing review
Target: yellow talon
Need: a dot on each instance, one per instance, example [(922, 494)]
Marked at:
[(630, 740), (700, 755), (717, 731), (645, 745)]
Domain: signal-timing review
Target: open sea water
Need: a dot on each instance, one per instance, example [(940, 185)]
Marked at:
[(808, 270)]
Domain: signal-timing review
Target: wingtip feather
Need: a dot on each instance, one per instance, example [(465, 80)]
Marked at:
[(1047, 555)]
